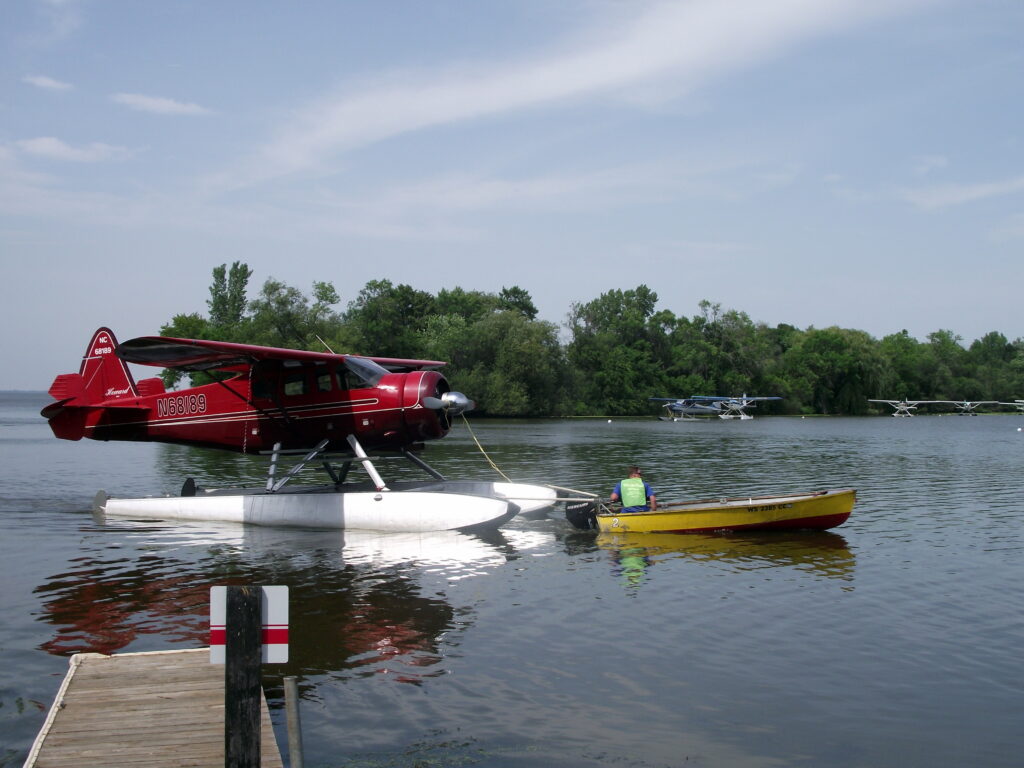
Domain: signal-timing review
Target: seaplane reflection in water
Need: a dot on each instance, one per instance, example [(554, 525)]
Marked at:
[(372, 603), (450, 555), (724, 407), (964, 407)]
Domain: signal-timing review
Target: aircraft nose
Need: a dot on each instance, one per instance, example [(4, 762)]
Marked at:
[(452, 403), (457, 403)]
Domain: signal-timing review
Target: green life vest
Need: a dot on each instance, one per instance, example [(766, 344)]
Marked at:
[(634, 494)]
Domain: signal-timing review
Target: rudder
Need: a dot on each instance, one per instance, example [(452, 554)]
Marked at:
[(102, 375), (105, 376)]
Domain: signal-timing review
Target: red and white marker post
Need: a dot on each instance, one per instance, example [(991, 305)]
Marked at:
[(248, 627)]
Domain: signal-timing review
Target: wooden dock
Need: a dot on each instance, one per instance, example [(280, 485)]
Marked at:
[(159, 709)]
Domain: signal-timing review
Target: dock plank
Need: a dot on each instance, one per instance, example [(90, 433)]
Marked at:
[(163, 709)]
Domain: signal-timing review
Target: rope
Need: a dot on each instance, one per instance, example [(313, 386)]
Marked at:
[(489, 461)]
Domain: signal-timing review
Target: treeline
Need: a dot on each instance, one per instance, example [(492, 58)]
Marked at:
[(620, 349)]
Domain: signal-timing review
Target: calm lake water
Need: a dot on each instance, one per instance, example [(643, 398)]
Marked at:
[(894, 640)]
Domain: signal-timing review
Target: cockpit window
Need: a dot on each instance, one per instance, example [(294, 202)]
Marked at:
[(365, 372)]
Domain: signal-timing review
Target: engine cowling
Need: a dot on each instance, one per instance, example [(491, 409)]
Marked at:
[(429, 405)]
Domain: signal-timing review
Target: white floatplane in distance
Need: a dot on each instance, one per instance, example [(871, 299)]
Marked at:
[(724, 407), (964, 407)]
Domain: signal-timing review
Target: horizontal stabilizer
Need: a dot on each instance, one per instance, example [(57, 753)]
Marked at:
[(67, 386)]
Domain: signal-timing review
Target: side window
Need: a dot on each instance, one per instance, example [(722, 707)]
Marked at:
[(323, 379), (260, 388), (295, 383)]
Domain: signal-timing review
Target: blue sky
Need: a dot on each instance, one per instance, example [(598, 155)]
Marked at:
[(814, 162)]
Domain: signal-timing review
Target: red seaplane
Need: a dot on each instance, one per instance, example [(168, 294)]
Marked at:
[(279, 401), (275, 397)]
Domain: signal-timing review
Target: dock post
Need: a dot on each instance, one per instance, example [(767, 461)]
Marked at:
[(291, 706), (243, 677)]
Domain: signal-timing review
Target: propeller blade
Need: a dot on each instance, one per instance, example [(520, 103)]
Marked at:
[(453, 403)]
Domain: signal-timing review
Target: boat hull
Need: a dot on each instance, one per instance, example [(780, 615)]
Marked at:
[(810, 511), (407, 511)]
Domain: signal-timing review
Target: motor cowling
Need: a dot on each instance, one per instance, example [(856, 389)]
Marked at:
[(429, 405)]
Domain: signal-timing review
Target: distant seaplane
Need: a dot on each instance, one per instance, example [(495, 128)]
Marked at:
[(904, 407), (724, 407), (1018, 404), (968, 406)]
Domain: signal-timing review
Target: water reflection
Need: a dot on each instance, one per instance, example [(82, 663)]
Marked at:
[(362, 603), (820, 553), (105, 603)]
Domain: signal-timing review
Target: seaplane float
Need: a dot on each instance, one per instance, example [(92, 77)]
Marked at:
[(817, 511), (324, 409)]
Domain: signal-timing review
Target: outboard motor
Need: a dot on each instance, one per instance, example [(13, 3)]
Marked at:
[(582, 514)]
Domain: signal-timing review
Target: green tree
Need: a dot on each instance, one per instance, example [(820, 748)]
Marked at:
[(517, 299), (613, 348), (990, 359), (834, 370), (469, 305), (511, 366), (227, 300), (905, 368), (190, 326), (943, 361), (283, 316), (387, 319)]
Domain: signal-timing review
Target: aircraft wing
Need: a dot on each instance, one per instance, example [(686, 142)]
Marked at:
[(736, 398), (205, 355), (909, 402)]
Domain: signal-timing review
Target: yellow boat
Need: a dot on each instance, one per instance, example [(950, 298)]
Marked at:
[(813, 511)]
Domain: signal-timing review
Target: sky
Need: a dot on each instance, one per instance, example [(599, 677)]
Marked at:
[(857, 163)]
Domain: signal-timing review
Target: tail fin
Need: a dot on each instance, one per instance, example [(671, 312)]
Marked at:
[(102, 376), (105, 376)]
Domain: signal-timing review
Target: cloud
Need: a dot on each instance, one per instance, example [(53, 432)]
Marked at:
[(157, 105), (927, 163), (63, 17), (945, 195), (666, 50), (634, 183), (47, 83), (55, 149)]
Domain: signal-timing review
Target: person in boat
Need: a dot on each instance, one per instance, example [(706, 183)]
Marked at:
[(635, 493)]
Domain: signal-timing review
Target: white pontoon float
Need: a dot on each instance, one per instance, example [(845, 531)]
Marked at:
[(430, 505)]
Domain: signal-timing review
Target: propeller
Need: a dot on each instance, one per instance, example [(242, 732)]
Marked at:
[(452, 403)]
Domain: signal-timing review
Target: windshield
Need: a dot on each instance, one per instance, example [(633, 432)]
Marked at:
[(366, 372)]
